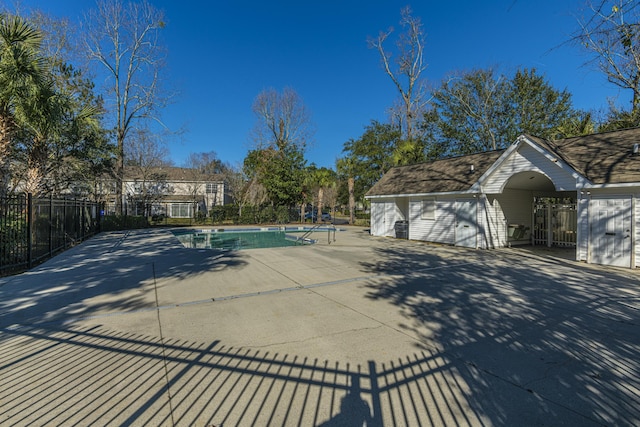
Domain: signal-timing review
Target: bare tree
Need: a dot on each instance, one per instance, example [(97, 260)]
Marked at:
[(239, 189), (252, 193), (282, 132), (283, 120), (405, 72), (207, 167), (610, 32), (331, 197), (207, 162), (123, 38), (146, 156)]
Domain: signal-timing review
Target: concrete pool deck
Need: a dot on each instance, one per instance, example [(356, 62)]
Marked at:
[(131, 328)]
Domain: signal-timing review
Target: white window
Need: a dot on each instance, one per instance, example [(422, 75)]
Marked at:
[(212, 188), (181, 210), (428, 208)]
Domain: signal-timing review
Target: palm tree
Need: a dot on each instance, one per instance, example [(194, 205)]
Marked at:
[(43, 125), (346, 167), (22, 72), (323, 178)]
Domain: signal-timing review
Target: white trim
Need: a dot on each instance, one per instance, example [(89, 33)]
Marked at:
[(611, 185), (446, 193), (552, 158), (498, 162), (548, 155)]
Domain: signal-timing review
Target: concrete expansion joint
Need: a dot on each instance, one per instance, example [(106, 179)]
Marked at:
[(315, 337), (119, 242), (528, 386)]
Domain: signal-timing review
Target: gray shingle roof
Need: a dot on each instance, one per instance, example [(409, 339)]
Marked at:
[(174, 174), (446, 175), (603, 158)]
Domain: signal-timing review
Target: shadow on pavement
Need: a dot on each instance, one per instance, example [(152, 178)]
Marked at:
[(566, 333), (512, 340), (97, 376), (121, 278)]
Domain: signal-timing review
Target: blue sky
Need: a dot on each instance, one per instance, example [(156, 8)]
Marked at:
[(222, 53)]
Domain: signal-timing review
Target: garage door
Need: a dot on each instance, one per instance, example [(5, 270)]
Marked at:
[(610, 220)]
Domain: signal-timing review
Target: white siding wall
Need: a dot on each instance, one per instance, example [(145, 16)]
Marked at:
[(491, 223), (510, 207), (517, 206), (185, 188), (441, 229), (582, 242), (527, 159), (494, 222)]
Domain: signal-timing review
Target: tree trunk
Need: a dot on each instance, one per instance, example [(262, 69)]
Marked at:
[(5, 150), (119, 172), (36, 166), (635, 104), (320, 204), (352, 200)]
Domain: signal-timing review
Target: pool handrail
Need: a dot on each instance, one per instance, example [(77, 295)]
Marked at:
[(330, 228)]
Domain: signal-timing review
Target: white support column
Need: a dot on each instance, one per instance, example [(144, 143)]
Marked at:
[(549, 225)]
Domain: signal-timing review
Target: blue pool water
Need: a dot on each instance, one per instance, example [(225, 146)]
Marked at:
[(239, 239)]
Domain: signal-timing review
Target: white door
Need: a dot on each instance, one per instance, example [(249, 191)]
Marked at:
[(466, 227), (383, 217), (377, 218), (611, 231), (389, 219)]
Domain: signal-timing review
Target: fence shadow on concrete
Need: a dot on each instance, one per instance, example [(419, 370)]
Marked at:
[(508, 344), (97, 376)]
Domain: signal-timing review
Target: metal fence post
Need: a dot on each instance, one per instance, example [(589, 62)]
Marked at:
[(51, 225), (29, 230), (101, 207), (81, 219), (64, 222)]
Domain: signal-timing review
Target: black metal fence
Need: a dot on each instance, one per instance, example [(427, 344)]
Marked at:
[(34, 229)]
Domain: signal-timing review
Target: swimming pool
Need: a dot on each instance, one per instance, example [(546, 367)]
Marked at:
[(240, 239)]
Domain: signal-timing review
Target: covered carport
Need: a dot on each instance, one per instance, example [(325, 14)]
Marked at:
[(535, 213)]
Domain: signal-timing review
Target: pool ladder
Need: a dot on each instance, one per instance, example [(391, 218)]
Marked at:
[(330, 228)]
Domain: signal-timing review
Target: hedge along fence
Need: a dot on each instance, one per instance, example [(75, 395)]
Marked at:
[(217, 215), (34, 229)]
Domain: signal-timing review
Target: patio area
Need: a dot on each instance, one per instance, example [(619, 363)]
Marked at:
[(131, 328)]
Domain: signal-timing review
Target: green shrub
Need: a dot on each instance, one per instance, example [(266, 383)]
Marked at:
[(123, 222), (282, 215), (13, 242), (201, 217), (362, 222)]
